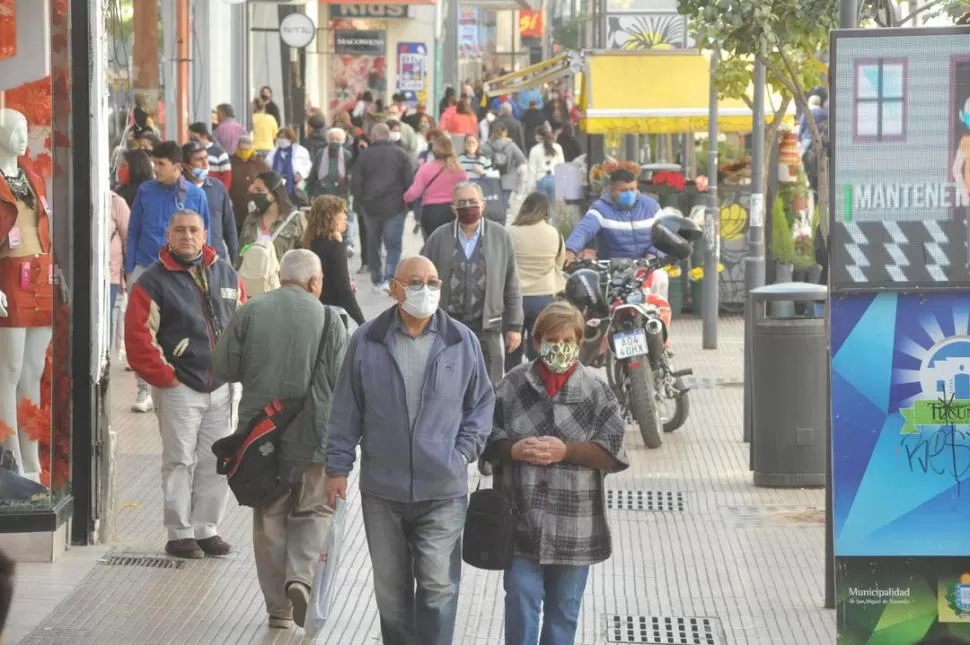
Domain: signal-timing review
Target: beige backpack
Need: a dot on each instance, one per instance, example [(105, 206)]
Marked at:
[(259, 267)]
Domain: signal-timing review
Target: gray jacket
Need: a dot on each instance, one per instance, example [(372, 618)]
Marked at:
[(270, 346), (511, 178), (503, 298), (400, 463)]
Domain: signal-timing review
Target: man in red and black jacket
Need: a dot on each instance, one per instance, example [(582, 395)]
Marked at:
[(176, 313)]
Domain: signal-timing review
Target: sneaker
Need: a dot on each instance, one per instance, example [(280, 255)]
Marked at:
[(185, 548), (350, 250), (214, 546), (299, 595), (384, 287), (143, 403), (363, 269), (277, 622)]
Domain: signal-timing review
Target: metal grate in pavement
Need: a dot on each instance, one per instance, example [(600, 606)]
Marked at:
[(663, 630), (140, 560), (645, 500)]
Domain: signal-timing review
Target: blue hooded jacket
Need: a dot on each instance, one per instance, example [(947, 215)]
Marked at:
[(622, 233), (154, 205)]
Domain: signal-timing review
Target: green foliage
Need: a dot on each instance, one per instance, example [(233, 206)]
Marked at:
[(782, 244), (568, 35)]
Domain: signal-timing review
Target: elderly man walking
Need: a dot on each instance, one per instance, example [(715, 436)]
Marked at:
[(286, 345), (480, 285), (414, 393), (176, 313)]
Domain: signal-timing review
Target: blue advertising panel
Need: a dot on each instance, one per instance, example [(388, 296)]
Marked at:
[(412, 72)]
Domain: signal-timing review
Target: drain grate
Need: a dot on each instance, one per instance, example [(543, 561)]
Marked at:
[(645, 500), (663, 630), (140, 560)]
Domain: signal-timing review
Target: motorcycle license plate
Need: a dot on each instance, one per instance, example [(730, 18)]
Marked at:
[(628, 344)]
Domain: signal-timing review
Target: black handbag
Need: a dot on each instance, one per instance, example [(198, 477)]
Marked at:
[(489, 537)]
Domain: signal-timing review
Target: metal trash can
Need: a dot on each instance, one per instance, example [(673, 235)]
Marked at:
[(787, 385)]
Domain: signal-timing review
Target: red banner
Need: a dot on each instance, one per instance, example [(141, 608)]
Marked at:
[(8, 29), (530, 24)]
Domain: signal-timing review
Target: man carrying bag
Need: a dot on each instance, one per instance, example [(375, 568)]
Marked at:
[(285, 348)]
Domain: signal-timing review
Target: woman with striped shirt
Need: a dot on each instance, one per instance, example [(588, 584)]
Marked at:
[(474, 162)]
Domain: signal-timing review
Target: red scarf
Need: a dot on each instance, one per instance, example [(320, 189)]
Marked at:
[(554, 382)]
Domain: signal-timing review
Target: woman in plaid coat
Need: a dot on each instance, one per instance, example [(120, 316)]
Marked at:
[(557, 433)]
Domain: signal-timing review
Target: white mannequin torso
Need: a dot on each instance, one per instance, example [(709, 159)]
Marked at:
[(13, 140)]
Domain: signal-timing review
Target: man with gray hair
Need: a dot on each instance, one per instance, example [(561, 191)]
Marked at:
[(285, 345), (512, 126), (480, 285), (382, 174)]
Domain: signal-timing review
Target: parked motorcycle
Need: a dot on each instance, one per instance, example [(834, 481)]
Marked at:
[(628, 327)]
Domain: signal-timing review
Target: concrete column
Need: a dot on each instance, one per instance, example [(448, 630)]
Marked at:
[(239, 54)]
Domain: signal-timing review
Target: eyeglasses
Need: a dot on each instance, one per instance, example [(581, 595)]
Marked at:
[(417, 285), (464, 203)]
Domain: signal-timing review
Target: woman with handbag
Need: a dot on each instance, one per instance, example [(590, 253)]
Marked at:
[(554, 479), (434, 183)]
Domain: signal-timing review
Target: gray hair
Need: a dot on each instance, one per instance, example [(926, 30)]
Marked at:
[(337, 135), (183, 212), (300, 265), (467, 184), (245, 138), (505, 109), (380, 132)]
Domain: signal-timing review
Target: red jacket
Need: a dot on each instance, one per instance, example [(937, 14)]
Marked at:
[(172, 325), (8, 209)]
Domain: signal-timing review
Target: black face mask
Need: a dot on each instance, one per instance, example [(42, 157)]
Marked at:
[(258, 203)]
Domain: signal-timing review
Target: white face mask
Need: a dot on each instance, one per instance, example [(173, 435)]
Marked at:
[(489, 117), (395, 136), (421, 303), (283, 143)]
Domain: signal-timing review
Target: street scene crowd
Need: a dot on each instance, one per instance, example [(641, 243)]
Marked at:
[(233, 251)]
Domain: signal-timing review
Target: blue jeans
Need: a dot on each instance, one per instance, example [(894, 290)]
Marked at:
[(390, 231), (350, 234), (532, 306), (547, 185), (552, 591), (420, 544)]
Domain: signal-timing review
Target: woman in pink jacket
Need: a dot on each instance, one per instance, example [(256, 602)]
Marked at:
[(118, 242), (434, 184)]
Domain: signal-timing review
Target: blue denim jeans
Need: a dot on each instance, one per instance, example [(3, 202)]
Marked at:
[(390, 232), (552, 591), (415, 545), (532, 306), (547, 185)]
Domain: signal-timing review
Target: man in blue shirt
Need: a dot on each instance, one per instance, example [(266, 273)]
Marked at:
[(155, 203), (223, 236)]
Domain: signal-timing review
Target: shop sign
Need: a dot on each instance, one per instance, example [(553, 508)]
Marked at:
[(376, 11), (412, 71), (368, 42), (530, 24), (297, 30)]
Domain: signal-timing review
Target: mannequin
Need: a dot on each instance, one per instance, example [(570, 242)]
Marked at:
[(26, 291)]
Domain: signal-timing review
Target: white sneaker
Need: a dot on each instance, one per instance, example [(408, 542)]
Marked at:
[(143, 403), (350, 250), (385, 288)]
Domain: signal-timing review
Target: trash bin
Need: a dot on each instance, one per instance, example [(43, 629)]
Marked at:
[(787, 385)]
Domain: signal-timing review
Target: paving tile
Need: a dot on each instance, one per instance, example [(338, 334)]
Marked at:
[(733, 554)]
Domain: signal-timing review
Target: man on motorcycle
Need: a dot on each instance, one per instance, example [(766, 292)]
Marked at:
[(620, 220)]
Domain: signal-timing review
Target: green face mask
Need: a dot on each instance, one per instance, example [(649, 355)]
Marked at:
[(559, 356)]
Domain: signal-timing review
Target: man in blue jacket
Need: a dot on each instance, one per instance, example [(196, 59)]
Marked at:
[(620, 222), (154, 205), (223, 236), (415, 394)]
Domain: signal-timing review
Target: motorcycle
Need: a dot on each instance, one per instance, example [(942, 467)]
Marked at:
[(628, 327)]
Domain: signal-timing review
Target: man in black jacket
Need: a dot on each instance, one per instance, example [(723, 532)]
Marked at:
[(382, 174), (513, 127)]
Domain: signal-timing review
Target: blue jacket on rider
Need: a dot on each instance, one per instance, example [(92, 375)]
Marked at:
[(622, 233)]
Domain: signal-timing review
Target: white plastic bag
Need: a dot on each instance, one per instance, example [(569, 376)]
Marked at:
[(325, 579)]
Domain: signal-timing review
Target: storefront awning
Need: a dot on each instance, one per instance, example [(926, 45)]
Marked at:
[(648, 92), (536, 75)]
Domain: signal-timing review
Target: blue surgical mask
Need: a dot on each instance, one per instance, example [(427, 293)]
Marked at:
[(627, 198), (200, 173), (965, 118)]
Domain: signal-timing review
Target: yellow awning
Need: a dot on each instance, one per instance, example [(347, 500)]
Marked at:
[(655, 92), (534, 76)]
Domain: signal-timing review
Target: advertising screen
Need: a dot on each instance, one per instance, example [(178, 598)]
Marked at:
[(900, 159)]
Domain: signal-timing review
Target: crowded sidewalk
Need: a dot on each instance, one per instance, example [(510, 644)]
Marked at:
[(700, 555)]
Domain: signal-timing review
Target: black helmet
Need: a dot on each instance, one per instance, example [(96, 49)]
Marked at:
[(674, 235), (583, 292)]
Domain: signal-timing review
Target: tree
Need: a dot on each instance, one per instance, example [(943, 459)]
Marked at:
[(788, 36)]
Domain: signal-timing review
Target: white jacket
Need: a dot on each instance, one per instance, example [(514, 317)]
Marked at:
[(541, 165), (302, 163)]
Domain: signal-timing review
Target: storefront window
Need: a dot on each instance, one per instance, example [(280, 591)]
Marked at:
[(35, 424), (359, 63)]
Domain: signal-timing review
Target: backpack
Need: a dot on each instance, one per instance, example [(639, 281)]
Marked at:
[(500, 160), (259, 268)]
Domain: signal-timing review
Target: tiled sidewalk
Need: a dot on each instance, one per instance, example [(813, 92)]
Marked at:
[(700, 542)]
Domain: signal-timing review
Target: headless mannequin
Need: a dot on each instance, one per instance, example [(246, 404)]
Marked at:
[(23, 340)]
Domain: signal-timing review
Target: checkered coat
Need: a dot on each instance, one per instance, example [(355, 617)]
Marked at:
[(561, 507)]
